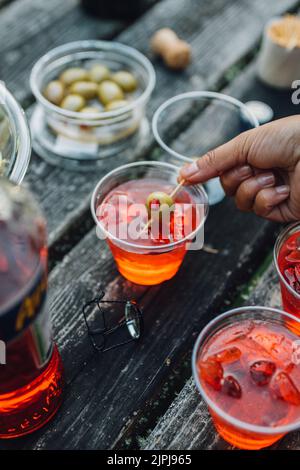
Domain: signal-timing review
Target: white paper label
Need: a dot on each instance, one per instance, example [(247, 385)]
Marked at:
[(64, 145)]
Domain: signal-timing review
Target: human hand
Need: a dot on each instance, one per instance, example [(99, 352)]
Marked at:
[(260, 168)]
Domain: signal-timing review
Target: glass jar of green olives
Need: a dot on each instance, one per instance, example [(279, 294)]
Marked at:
[(15, 142), (91, 99)]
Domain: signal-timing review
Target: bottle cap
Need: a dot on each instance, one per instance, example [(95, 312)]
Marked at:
[(262, 111)]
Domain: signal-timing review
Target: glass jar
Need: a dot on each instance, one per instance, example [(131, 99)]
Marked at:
[(15, 142), (80, 141)]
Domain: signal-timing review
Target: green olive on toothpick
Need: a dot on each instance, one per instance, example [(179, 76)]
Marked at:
[(159, 197), (155, 198), (159, 202)]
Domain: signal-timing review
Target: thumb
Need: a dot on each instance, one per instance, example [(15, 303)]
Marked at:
[(218, 160)]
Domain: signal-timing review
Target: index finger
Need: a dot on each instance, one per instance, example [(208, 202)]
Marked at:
[(215, 162)]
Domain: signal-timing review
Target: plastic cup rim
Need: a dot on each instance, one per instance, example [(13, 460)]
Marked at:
[(135, 245), (190, 95)]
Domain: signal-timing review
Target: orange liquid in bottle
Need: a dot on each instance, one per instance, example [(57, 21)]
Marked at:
[(31, 372)]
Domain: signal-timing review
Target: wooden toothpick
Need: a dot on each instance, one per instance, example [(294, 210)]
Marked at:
[(178, 187)]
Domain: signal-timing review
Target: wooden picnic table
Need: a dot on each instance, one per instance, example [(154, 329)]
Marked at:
[(127, 398)]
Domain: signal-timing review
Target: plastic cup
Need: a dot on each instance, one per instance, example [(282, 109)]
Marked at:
[(220, 118), (237, 432), (141, 263), (290, 298)]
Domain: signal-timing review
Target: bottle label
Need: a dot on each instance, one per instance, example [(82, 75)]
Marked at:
[(39, 336), (29, 316)]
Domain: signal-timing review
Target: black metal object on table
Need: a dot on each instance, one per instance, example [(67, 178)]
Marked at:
[(131, 320)]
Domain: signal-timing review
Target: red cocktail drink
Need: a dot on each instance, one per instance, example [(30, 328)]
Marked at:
[(148, 244), (287, 262), (246, 364), (147, 268)]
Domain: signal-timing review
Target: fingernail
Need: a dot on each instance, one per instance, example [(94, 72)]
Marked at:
[(266, 180), (282, 189), (244, 171), (189, 170)]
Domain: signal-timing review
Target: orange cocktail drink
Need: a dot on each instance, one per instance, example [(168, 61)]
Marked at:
[(148, 238), (246, 364)]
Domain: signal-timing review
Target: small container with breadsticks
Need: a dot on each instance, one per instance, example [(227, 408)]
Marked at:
[(279, 58)]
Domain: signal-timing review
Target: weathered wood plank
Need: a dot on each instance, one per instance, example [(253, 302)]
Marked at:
[(29, 28), (198, 138), (187, 423), (96, 385), (220, 33), (102, 396), (209, 28)]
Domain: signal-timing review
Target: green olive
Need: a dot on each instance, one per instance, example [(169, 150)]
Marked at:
[(74, 74), (86, 89), (73, 102), (125, 80), (157, 200), (98, 73), (90, 110), (115, 105), (109, 91), (54, 92)]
